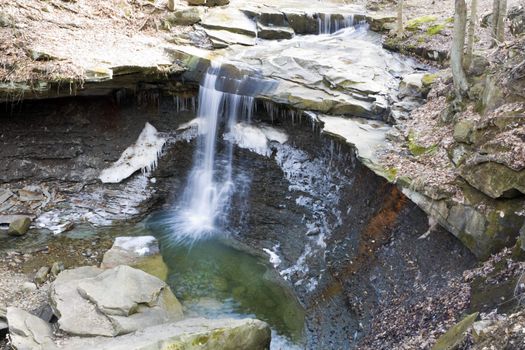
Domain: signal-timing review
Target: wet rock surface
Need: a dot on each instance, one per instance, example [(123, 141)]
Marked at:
[(316, 227), (68, 185)]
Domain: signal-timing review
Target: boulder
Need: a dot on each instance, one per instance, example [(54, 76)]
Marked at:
[(185, 17), (90, 301), (29, 287), (57, 267), (274, 32), (19, 226), (412, 85), (380, 22), (516, 15), (494, 179), (269, 17), (5, 20), (463, 131), (140, 252), (224, 38), (230, 20), (29, 332), (194, 333), (301, 22), (41, 275)]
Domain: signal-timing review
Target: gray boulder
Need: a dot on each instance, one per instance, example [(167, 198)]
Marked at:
[(19, 226), (141, 252), (28, 332), (41, 275), (185, 17), (189, 334), (231, 20), (273, 32), (91, 302), (301, 22)]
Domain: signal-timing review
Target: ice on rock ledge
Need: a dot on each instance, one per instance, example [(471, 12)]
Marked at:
[(142, 155), (141, 245), (255, 138)]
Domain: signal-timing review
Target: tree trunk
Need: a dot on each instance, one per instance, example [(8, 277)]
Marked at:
[(473, 21), (400, 18), (458, 45), (499, 12)]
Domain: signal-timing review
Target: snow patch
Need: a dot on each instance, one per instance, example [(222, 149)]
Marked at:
[(274, 258), (141, 245), (199, 123), (255, 138), (98, 206), (366, 135), (142, 155)]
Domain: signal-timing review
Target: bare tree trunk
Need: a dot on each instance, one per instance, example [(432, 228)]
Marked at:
[(499, 12), (400, 18), (458, 45), (472, 23)]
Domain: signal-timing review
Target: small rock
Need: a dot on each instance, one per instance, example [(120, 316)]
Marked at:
[(41, 275), (32, 193), (462, 131), (19, 226), (29, 287), (5, 20), (57, 267)]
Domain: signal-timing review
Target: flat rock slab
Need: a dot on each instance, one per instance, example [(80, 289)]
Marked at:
[(27, 331), (90, 301), (223, 38), (367, 136), (358, 78), (230, 20), (195, 333)]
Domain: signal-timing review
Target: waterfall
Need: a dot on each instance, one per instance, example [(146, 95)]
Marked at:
[(223, 101), (329, 24)]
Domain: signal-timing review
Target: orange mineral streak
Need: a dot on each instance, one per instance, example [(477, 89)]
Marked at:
[(376, 233)]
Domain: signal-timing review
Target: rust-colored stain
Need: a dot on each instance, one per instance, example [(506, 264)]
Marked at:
[(376, 233)]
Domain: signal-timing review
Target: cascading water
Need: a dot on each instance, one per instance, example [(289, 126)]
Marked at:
[(329, 24), (205, 202)]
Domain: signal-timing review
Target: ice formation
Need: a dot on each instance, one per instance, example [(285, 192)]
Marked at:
[(142, 155)]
